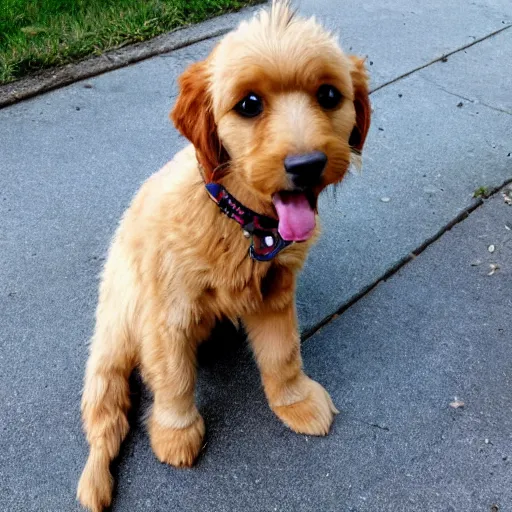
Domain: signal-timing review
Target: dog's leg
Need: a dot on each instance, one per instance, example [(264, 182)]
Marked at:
[(300, 402), (105, 404), (176, 428)]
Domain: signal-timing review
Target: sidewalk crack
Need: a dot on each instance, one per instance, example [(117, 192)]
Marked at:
[(381, 427), (470, 100), (369, 424), (441, 58), (497, 109)]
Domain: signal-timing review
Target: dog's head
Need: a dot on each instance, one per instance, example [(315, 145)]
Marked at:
[(281, 106)]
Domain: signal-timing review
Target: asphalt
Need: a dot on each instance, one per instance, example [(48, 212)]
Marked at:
[(408, 342)]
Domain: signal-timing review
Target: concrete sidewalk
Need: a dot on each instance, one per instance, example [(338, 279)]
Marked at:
[(70, 161)]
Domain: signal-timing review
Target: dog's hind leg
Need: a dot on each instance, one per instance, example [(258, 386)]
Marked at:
[(105, 400)]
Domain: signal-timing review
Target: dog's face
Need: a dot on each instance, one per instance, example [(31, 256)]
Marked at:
[(278, 103)]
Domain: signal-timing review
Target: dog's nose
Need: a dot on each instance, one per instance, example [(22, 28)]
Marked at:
[(306, 169)]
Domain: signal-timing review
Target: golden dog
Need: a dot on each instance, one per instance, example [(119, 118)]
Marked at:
[(275, 114)]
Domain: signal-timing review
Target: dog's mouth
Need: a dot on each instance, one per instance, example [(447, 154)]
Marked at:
[(296, 212)]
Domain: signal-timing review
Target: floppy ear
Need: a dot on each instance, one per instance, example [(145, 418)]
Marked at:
[(193, 117), (361, 104)]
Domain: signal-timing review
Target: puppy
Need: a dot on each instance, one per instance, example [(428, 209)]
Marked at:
[(274, 115)]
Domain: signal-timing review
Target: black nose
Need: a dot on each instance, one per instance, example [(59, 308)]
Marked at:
[(306, 169)]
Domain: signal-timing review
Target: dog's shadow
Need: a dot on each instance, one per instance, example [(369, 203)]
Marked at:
[(227, 379), (225, 369)]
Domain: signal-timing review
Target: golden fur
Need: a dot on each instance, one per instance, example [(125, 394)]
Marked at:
[(177, 265)]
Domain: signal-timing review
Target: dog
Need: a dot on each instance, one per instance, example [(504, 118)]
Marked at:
[(274, 115)]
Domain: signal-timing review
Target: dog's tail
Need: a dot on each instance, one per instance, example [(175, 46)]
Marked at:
[(106, 398)]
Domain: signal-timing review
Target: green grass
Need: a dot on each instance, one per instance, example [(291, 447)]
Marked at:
[(40, 34), (484, 192)]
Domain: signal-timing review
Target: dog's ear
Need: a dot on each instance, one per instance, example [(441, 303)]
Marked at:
[(361, 104), (193, 117)]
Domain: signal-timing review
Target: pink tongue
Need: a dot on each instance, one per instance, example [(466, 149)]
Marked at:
[(296, 217)]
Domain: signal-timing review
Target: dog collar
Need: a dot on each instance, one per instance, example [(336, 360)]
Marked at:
[(266, 242)]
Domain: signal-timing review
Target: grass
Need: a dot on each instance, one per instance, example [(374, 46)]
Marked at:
[(40, 34), (484, 192)]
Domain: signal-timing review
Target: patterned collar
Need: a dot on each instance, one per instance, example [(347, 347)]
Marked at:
[(267, 243)]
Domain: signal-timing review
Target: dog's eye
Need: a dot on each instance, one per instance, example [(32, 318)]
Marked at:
[(328, 96), (250, 106)]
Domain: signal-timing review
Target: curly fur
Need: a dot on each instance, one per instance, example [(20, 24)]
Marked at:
[(177, 265)]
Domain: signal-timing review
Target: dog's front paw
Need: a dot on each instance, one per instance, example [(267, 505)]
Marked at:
[(177, 446), (313, 414)]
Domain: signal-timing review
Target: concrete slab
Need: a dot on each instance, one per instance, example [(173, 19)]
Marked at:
[(400, 35), (427, 155), (435, 332)]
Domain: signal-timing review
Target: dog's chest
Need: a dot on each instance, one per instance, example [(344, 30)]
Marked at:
[(248, 291)]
